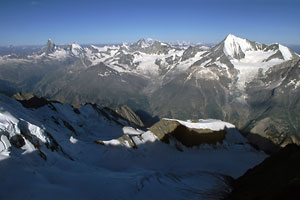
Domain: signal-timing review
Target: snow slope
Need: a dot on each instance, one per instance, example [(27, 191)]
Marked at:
[(250, 65), (80, 168), (235, 46)]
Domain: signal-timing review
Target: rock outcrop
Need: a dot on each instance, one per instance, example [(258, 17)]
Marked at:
[(29, 100), (277, 177), (178, 133), (130, 115), (166, 130)]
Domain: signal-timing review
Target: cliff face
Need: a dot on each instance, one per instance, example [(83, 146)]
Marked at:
[(276, 178)]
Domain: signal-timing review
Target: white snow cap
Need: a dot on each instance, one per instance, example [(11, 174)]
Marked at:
[(233, 45)]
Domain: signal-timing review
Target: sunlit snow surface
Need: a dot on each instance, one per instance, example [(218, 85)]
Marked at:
[(250, 65), (154, 170), (233, 45)]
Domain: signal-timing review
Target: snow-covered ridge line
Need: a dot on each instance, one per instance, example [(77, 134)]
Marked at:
[(236, 48), (161, 62)]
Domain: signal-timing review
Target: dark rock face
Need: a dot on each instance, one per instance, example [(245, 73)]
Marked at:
[(128, 114), (30, 101), (17, 141), (276, 178), (261, 142), (166, 130), (126, 59), (278, 55), (189, 53), (274, 101), (49, 48), (99, 84)]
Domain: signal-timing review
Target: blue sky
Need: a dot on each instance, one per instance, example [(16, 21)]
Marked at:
[(25, 22)]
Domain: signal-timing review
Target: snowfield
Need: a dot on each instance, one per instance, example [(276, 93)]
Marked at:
[(57, 157)]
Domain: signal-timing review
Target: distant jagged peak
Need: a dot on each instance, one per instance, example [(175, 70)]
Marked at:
[(143, 43), (76, 45), (50, 47), (180, 43), (73, 49), (124, 44), (183, 43), (76, 49), (150, 46), (50, 41)]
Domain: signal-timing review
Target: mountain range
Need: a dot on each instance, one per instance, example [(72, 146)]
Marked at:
[(252, 85), (150, 120)]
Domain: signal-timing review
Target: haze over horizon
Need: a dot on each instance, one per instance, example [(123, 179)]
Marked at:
[(28, 22)]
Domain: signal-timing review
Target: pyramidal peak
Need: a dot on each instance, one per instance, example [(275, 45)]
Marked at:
[(143, 43), (50, 43), (50, 47), (231, 36), (235, 47)]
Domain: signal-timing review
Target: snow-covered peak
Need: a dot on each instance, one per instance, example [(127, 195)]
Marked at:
[(76, 46), (76, 49), (235, 47)]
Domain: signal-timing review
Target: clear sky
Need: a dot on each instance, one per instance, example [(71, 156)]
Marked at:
[(25, 22)]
